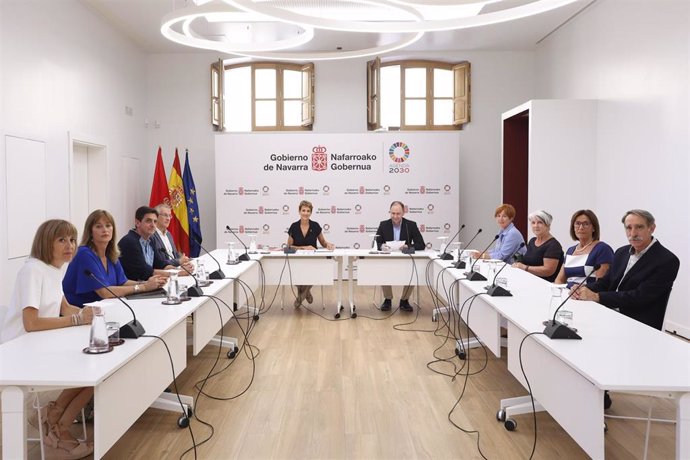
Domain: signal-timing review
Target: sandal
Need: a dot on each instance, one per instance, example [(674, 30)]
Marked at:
[(309, 297), (71, 450)]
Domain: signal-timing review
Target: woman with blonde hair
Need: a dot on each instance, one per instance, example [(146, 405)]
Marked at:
[(38, 304)]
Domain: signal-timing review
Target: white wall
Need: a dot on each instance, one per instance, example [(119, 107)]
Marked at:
[(64, 70), (179, 91), (632, 56)]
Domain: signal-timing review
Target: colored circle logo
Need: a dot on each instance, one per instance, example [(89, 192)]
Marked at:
[(399, 152)]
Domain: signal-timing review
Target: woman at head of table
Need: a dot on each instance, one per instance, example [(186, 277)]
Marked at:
[(97, 255), (38, 304), (544, 254), (304, 234), (588, 252)]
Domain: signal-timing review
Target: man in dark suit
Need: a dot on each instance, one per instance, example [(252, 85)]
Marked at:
[(138, 257), (640, 279), (397, 228), (163, 242)]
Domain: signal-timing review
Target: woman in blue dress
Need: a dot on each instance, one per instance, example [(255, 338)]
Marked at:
[(588, 252)]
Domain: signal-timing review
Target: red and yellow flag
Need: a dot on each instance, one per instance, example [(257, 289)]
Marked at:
[(179, 205)]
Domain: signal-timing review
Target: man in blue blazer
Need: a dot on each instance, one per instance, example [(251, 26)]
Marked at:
[(397, 228), (640, 279), (138, 257)]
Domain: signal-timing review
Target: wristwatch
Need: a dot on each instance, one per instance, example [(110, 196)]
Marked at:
[(136, 288)]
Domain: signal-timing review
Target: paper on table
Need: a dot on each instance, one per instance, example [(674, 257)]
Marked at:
[(395, 245)]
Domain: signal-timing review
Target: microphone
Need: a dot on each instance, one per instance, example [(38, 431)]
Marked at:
[(476, 276), (287, 249), (498, 291), (242, 257), (459, 263), (218, 274), (192, 291), (445, 255), (131, 330), (557, 330), (408, 241)]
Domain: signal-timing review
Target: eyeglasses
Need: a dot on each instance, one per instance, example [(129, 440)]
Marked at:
[(582, 224)]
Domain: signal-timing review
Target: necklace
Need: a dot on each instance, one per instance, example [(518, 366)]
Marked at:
[(583, 247)]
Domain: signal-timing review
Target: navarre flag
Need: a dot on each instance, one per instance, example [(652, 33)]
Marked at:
[(192, 208), (179, 205), (159, 186)]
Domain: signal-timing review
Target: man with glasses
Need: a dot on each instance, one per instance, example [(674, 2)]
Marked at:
[(397, 228), (163, 241)]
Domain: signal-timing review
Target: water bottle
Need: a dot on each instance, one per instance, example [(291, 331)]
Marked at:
[(232, 258), (98, 339), (252, 244), (173, 291), (374, 244), (554, 301)]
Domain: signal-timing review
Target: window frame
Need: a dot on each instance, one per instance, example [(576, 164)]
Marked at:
[(460, 98), (306, 99)]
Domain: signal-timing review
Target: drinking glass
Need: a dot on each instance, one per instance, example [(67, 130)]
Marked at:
[(98, 338), (113, 329), (173, 291), (232, 257)]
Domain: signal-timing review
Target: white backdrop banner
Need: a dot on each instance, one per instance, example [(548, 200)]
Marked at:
[(350, 179)]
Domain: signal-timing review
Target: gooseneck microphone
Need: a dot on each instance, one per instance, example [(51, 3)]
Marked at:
[(461, 263), (476, 276), (131, 330), (557, 330), (243, 257), (445, 255), (218, 274), (496, 290)]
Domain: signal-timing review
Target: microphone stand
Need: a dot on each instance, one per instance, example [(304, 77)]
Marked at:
[(460, 263), (132, 330), (243, 257), (476, 276), (557, 330), (409, 249), (445, 255), (218, 274), (496, 290)]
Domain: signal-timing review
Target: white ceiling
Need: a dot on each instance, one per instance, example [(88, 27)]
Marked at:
[(140, 21)]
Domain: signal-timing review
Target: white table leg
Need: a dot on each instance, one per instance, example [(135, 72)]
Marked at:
[(13, 423), (682, 427)]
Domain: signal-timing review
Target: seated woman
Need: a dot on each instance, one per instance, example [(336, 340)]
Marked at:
[(544, 254), (38, 304), (303, 234), (509, 237), (98, 254), (588, 252)]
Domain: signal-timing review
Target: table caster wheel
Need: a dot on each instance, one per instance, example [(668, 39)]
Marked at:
[(337, 315), (461, 354), (183, 421), (232, 353), (353, 315), (501, 415), (510, 424), (256, 317)]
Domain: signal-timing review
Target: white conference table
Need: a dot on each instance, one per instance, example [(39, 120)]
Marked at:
[(568, 377), (386, 269), (126, 381)]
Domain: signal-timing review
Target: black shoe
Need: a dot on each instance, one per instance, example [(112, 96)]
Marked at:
[(405, 305), (386, 305), (607, 400)]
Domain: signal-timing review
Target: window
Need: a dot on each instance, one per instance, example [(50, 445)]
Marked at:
[(264, 96), (417, 95)]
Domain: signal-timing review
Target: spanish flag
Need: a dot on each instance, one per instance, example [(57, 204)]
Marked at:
[(179, 205)]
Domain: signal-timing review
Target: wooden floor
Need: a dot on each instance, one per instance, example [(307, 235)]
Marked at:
[(362, 389)]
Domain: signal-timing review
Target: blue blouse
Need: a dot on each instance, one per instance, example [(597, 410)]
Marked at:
[(574, 266), (509, 240), (79, 288)]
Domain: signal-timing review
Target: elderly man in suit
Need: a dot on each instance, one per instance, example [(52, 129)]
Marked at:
[(163, 241), (641, 276), (397, 228)]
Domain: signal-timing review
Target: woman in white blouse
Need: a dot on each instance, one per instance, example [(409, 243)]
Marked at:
[(38, 304)]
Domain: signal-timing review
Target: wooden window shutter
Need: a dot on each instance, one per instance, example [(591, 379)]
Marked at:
[(217, 99), (461, 93), (373, 94), (308, 95)]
